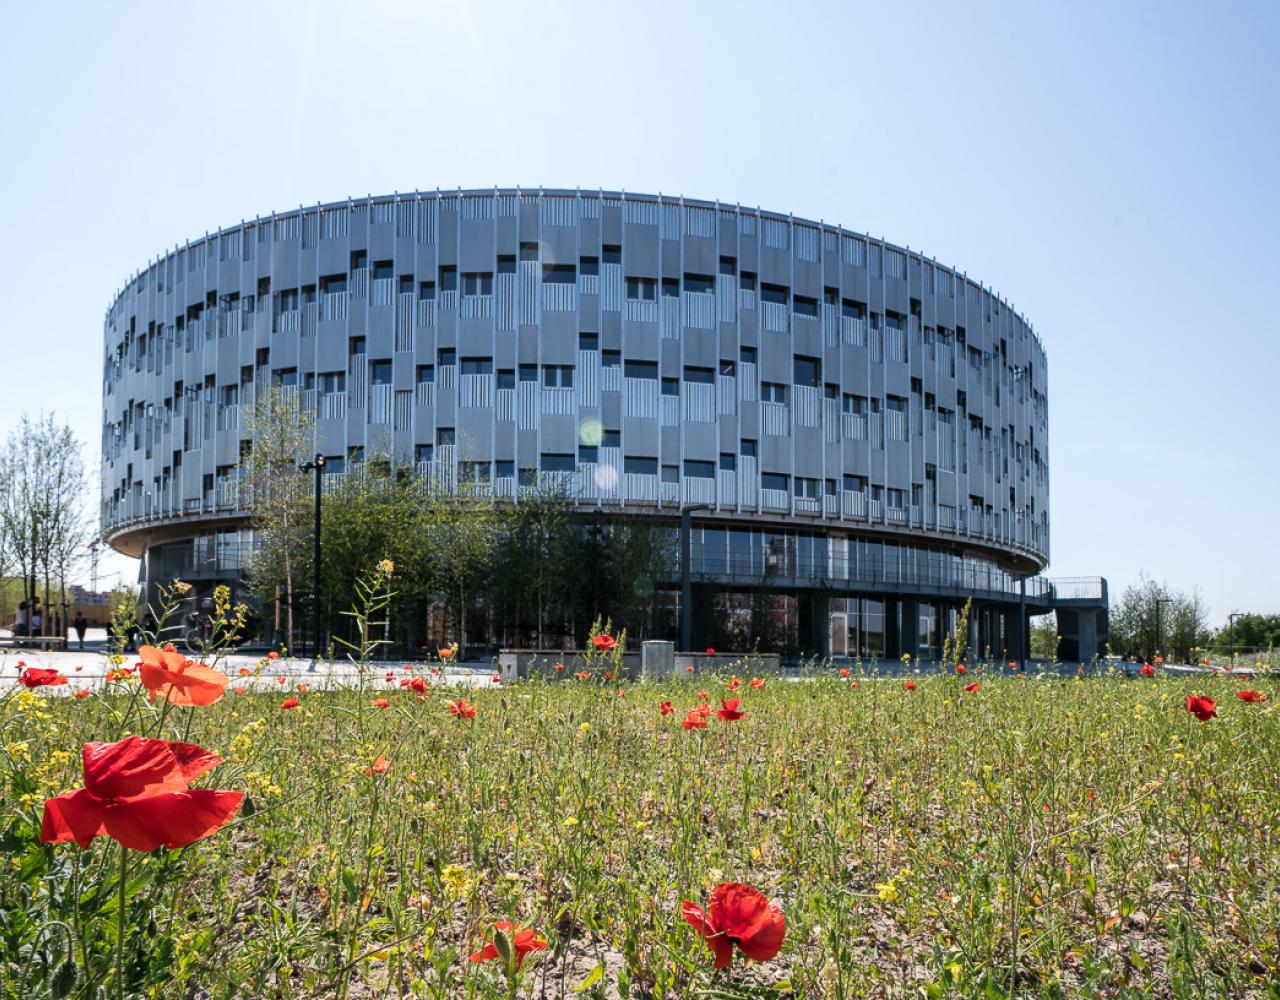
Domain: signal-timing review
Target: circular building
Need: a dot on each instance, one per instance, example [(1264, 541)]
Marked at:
[(861, 432)]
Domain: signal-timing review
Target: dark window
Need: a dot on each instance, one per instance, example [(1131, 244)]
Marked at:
[(588, 341), (698, 469), (699, 283), (748, 449), (611, 439), (588, 453), (728, 265), (506, 378), (528, 373), (405, 285), (610, 359), (705, 376), (422, 452), (854, 310), (671, 288), (640, 466), (444, 436), (528, 251), (555, 462), (448, 279), (807, 371), (359, 259), (747, 355), (773, 481), (559, 274), (774, 293), (380, 372), (611, 253), (773, 392), (426, 291), (332, 283), (528, 477), (728, 461), (670, 387), (807, 488), (557, 376), (355, 346), (477, 283), (831, 391), (641, 369), (446, 356), (805, 306), (747, 281), (831, 296), (829, 487), (383, 269), (671, 473), (477, 366), (589, 265), (504, 468), (507, 264), (426, 373), (644, 289), (728, 368), (855, 484), (355, 453)]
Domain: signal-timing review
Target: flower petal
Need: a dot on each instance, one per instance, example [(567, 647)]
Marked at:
[(747, 916), (721, 947), (72, 816), (171, 819), (131, 767)]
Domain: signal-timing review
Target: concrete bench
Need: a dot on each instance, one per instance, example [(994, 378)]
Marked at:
[(35, 642)]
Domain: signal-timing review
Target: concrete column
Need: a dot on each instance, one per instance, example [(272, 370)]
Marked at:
[(909, 640)]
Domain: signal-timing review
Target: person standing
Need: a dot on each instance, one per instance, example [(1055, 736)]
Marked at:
[(81, 625)]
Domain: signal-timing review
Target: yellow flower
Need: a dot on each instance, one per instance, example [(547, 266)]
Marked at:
[(386, 567), (456, 881), (887, 891), (570, 822), (181, 587)]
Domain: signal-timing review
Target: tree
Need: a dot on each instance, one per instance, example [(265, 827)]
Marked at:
[(1249, 633), (1044, 638), (1183, 622), (42, 519), (277, 497)]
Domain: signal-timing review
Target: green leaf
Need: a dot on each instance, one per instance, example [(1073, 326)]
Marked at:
[(593, 977)]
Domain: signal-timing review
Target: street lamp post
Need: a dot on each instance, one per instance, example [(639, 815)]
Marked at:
[(1231, 632), (316, 466), (1159, 601), (686, 580)]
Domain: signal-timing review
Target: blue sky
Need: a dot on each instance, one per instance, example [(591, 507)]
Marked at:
[(1111, 169)]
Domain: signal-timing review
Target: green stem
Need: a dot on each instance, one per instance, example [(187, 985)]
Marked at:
[(120, 907)]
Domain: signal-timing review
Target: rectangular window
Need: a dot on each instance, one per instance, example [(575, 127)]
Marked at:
[(528, 477), (383, 269), (589, 265), (426, 291), (855, 484), (774, 481), (477, 283), (474, 472), (806, 371), (807, 488), (555, 462), (588, 453), (446, 356), (670, 387), (777, 294), (557, 376), (477, 366), (506, 378), (671, 474), (528, 373), (559, 274), (805, 306), (634, 466), (611, 253), (728, 461), (504, 468), (728, 265), (610, 359), (611, 439), (426, 374), (333, 382), (643, 289), (705, 283), (855, 405), (747, 355), (448, 279), (641, 369), (405, 284), (698, 469), (748, 449), (727, 368), (670, 288), (528, 252), (748, 281), (588, 341), (704, 376), (445, 436), (773, 392), (355, 346), (331, 284), (507, 264)]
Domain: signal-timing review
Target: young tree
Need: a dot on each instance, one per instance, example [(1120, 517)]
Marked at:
[(277, 495)]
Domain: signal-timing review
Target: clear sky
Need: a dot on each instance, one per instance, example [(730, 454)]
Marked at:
[(1110, 168)]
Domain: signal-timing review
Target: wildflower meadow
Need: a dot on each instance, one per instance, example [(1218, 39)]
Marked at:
[(955, 832)]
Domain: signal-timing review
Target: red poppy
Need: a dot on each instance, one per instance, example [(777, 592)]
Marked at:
[(703, 696), (83, 693), (665, 708), (379, 766), (961, 668), (289, 703), (583, 675), (391, 675), (78, 669), (245, 671), (734, 684), (1159, 660), (729, 712), (380, 703), (972, 687), (304, 688), (711, 651), (446, 652), (689, 669), (137, 792), (273, 655), (559, 668), (281, 679), (1020, 675), (604, 643), (239, 690), (37, 677), (852, 685), (1201, 707), (496, 678), (694, 720), (523, 940), (741, 915), (844, 671), (1012, 665), (1251, 696), (909, 686), (608, 675), (756, 684), (416, 684), (462, 709), (1147, 670)]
